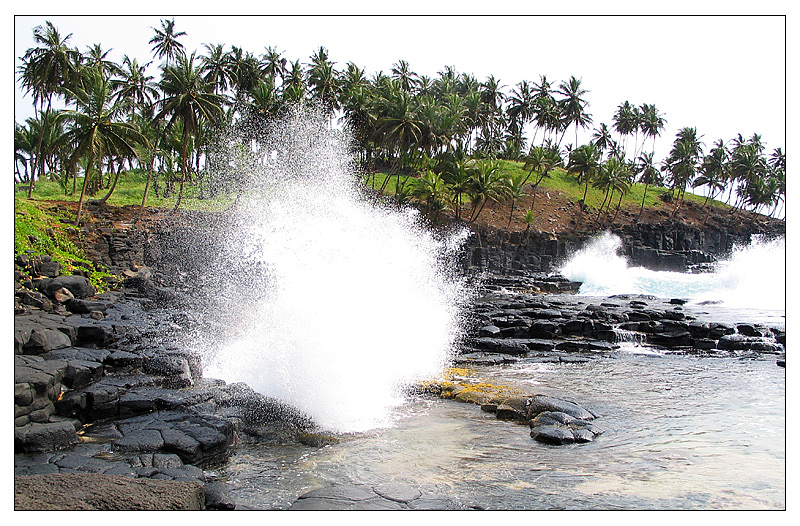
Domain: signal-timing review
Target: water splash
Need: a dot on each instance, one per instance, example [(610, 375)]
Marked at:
[(350, 300), (754, 276)]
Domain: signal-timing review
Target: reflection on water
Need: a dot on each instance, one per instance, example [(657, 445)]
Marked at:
[(681, 433)]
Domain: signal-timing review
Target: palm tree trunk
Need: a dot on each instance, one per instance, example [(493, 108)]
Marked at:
[(183, 168), (146, 188), (511, 215), (643, 198), (85, 183), (39, 158), (619, 204), (113, 185)]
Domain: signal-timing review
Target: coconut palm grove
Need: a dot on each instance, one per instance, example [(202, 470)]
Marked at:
[(450, 143)]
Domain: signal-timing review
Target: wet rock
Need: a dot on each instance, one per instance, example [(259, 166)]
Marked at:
[(585, 345), (500, 345), (544, 329), (49, 436), (543, 403), (79, 306), (739, 342), (514, 408), (484, 358), (489, 331), (555, 427), (44, 340), (218, 496), (361, 497)]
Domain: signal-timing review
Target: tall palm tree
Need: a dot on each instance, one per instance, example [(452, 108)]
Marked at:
[(133, 85), (602, 137), (165, 42), (683, 160), (273, 64), (403, 74), (542, 161), (188, 99), (244, 72), (95, 129), (574, 105), (652, 123), (323, 82), (45, 70), (584, 163), (713, 171), (96, 57), (485, 185), (649, 174), (625, 122), (215, 65)]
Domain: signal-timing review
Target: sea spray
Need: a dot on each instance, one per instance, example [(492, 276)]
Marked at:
[(754, 276), (349, 300)]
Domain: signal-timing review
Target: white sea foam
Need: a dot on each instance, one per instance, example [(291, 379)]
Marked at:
[(754, 276)]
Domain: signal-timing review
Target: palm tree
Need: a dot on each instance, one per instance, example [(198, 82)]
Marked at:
[(273, 64), (216, 67), (25, 140), (188, 99), (682, 162), (323, 82), (243, 71), (485, 185), (45, 70), (431, 188), (584, 162), (652, 123), (777, 175), (573, 105), (649, 174), (601, 137), (619, 173), (401, 72), (96, 57), (95, 129), (541, 160), (749, 166), (165, 42), (134, 86), (713, 171), (515, 190), (625, 122)]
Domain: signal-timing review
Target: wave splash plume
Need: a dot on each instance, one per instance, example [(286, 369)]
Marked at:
[(350, 300)]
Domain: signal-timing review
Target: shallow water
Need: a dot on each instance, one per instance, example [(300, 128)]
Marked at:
[(682, 432)]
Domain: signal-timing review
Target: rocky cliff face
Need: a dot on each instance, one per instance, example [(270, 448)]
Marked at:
[(670, 246)]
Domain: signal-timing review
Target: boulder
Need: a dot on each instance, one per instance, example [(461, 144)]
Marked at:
[(85, 491), (542, 403), (558, 428), (48, 436), (79, 286)]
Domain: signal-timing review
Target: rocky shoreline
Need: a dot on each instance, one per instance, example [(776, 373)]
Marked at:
[(103, 386)]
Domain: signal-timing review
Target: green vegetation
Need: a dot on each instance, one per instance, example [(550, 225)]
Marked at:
[(37, 232), (451, 141)]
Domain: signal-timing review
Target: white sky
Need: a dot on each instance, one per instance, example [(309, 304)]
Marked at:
[(722, 74)]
